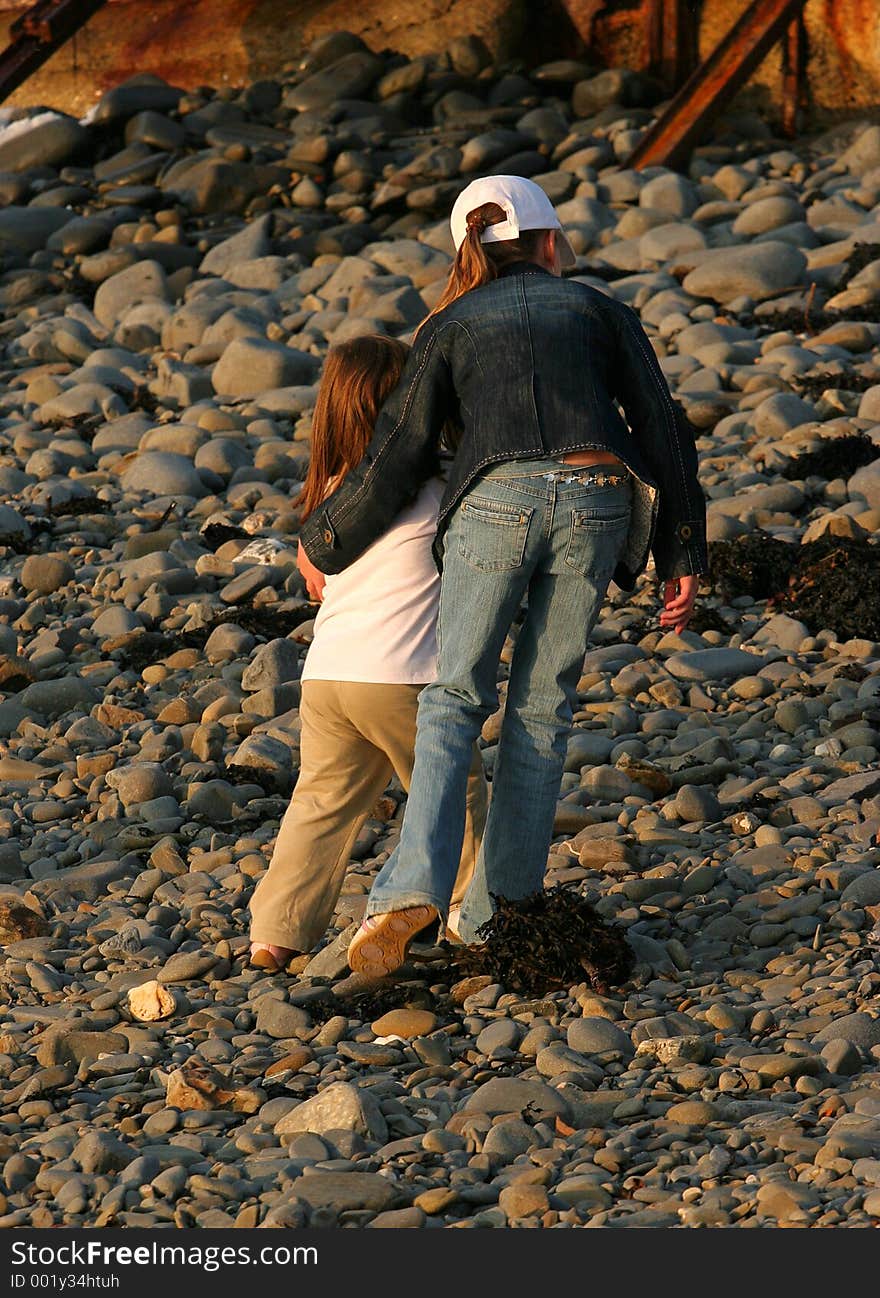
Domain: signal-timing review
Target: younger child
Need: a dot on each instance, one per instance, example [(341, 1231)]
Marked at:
[(374, 648)]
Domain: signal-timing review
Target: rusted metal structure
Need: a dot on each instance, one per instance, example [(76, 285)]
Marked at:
[(832, 45), (672, 40), (718, 78), (37, 34)]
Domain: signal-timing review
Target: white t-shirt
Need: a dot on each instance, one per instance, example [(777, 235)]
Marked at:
[(378, 621)]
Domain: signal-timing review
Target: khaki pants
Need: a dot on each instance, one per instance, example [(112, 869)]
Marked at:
[(354, 737)]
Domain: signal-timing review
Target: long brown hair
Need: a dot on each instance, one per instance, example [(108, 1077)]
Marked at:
[(358, 376), (477, 263)]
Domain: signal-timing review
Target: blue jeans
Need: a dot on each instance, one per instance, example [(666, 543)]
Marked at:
[(550, 533)]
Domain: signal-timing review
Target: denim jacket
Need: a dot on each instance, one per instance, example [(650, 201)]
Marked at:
[(527, 366)]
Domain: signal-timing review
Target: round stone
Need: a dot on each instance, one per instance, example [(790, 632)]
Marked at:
[(45, 573)]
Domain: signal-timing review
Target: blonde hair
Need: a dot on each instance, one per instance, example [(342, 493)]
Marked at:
[(477, 263)]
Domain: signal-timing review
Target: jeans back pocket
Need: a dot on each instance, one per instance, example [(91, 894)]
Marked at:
[(491, 535), (595, 539)]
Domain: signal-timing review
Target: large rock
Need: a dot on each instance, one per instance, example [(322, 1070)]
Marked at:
[(88, 881), (45, 140), (27, 229), (45, 573), (858, 1029), (865, 482), (98, 1152), (51, 699), (12, 524), (592, 1036), (18, 922), (869, 406), (207, 183), (139, 782), (348, 78), (143, 282), (783, 632), (162, 473), (250, 366), (851, 788), (757, 270), (674, 196), (251, 241), (273, 664), (714, 664), (340, 1107), (268, 758), (864, 152), (780, 413), (279, 1019), (142, 93), (515, 1095), (347, 1191), (60, 1045), (423, 265)]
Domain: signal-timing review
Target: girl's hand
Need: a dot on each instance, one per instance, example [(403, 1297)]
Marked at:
[(679, 598), (314, 578)]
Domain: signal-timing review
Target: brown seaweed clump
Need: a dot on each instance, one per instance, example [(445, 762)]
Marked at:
[(837, 585), (265, 621), (757, 565), (550, 940), (834, 457), (831, 583)]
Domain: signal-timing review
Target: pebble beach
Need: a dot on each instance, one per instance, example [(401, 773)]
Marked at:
[(173, 268)]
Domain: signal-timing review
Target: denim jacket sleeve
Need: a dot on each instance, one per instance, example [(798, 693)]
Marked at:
[(667, 446), (401, 456)]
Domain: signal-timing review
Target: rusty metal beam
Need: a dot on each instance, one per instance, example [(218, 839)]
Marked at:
[(672, 40), (794, 80), (714, 83), (37, 34)]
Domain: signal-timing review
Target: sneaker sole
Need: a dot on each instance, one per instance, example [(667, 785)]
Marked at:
[(381, 950)]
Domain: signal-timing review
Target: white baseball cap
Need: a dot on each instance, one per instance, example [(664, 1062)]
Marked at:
[(526, 205)]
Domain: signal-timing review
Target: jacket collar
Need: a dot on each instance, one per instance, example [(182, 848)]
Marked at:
[(521, 268)]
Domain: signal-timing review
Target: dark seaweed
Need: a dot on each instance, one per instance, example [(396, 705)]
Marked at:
[(837, 585), (861, 256), (812, 385), (835, 457), (550, 940), (271, 782), (708, 619), (800, 320), (142, 650), (20, 544), (78, 506), (216, 534), (264, 622), (373, 1003), (832, 582), (756, 565)]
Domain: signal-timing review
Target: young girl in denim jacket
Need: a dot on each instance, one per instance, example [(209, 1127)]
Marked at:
[(551, 494)]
